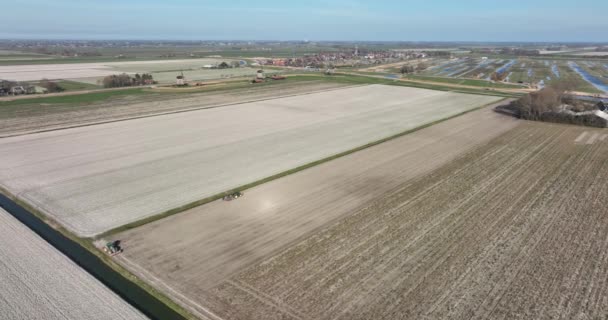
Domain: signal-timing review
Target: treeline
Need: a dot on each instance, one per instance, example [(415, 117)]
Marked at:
[(125, 80), (552, 104)]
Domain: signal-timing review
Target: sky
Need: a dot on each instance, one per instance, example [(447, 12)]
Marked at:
[(313, 20)]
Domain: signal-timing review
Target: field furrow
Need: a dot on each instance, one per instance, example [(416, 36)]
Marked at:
[(274, 215), (514, 229), (39, 282)]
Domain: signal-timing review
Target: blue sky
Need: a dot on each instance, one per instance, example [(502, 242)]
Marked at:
[(426, 20)]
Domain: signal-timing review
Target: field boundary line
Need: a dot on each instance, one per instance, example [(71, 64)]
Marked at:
[(153, 279), (250, 185), (176, 111)]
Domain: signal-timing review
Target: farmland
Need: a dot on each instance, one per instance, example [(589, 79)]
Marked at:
[(166, 70), (218, 239), (38, 282), (31, 115), (100, 177), (514, 227), (532, 71)]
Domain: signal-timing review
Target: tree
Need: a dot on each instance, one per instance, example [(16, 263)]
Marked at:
[(124, 80), (533, 105), (405, 69), (51, 86), (223, 65)]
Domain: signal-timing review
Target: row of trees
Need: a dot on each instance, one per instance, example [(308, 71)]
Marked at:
[(533, 105), (125, 80)]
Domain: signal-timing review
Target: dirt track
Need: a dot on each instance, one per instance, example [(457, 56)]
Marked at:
[(194, 251)]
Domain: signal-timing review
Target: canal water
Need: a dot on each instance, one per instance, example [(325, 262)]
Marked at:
[(129, 291), (598, 83)]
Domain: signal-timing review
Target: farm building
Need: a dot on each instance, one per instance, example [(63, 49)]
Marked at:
[(180, 80)]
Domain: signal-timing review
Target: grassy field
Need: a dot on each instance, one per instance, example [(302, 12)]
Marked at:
[(512, 229), (69, 86), (468, 82), (78, 99), (371, 79), (39, 282), (150, 174)]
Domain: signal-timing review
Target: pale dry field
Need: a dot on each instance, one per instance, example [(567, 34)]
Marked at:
[(97, 69), (95, 178), (39, 282), (22, 119), (516, 229), (190, 254)]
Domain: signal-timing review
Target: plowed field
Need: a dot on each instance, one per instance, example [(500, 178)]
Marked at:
[(516, 229), (39, 282), (96, 178)]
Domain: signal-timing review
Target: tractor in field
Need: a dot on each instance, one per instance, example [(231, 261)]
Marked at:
[(232, 196), (112, 248)]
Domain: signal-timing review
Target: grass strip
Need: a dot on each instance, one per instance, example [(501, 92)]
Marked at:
[(83, 98)]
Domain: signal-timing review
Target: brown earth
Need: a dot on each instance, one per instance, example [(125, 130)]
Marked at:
[(191, 255), (516, 229)]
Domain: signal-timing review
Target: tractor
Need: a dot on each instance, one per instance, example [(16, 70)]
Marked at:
[(232, 196), (113, 248)]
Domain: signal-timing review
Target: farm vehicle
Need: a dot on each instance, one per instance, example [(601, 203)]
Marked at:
[(113, 248), (232, 196)]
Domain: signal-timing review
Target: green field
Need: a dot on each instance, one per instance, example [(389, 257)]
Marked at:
[(468, 82), (71, 99)]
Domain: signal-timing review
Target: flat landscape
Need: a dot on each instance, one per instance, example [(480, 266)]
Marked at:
[(21, 117), (514, 228), (96, 178), (77, 70), (196, 250), (39, 282), (92, 72)]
